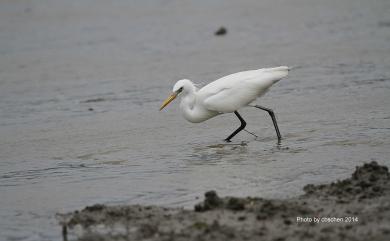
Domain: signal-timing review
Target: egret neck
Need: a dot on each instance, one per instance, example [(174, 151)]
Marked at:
[(191, 110)]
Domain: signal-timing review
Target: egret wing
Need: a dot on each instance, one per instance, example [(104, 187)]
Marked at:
[(231, 92), (230, 99)]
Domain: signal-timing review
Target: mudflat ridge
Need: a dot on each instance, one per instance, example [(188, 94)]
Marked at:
[(357, 208)]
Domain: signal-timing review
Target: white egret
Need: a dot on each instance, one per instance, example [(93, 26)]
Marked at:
[(226, 95)]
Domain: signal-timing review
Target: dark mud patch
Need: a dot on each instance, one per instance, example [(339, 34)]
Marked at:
[(94, 100), (357, 208), (368, 181), (221, 31), (385, 24)]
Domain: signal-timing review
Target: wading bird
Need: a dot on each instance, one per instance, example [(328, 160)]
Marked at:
[(227, 95)]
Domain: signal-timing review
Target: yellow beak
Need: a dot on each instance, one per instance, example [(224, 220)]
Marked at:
[(168, 100)]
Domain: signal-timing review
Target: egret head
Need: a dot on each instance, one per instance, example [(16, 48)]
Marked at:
[(183, 85)]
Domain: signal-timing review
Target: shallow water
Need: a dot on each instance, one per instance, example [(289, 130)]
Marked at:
[(81, 83)]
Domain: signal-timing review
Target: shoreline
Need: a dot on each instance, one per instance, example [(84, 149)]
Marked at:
[(356, 208)]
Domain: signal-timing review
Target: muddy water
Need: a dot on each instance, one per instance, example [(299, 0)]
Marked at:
[(81, 83)]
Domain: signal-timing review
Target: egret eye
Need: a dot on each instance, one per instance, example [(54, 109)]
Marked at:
[(180, 90)]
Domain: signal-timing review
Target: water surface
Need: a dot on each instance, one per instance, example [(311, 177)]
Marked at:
[(81, 83)]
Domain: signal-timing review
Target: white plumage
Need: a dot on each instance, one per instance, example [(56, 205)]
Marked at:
[(225, 95)]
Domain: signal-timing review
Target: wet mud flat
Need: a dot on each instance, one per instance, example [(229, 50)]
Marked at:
[(357, 208)]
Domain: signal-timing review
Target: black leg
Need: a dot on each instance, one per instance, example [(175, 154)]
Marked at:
[(271, 113), (243, 124)]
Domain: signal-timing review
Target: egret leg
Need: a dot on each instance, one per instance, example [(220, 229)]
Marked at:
[(243, 124), (272, 114)]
